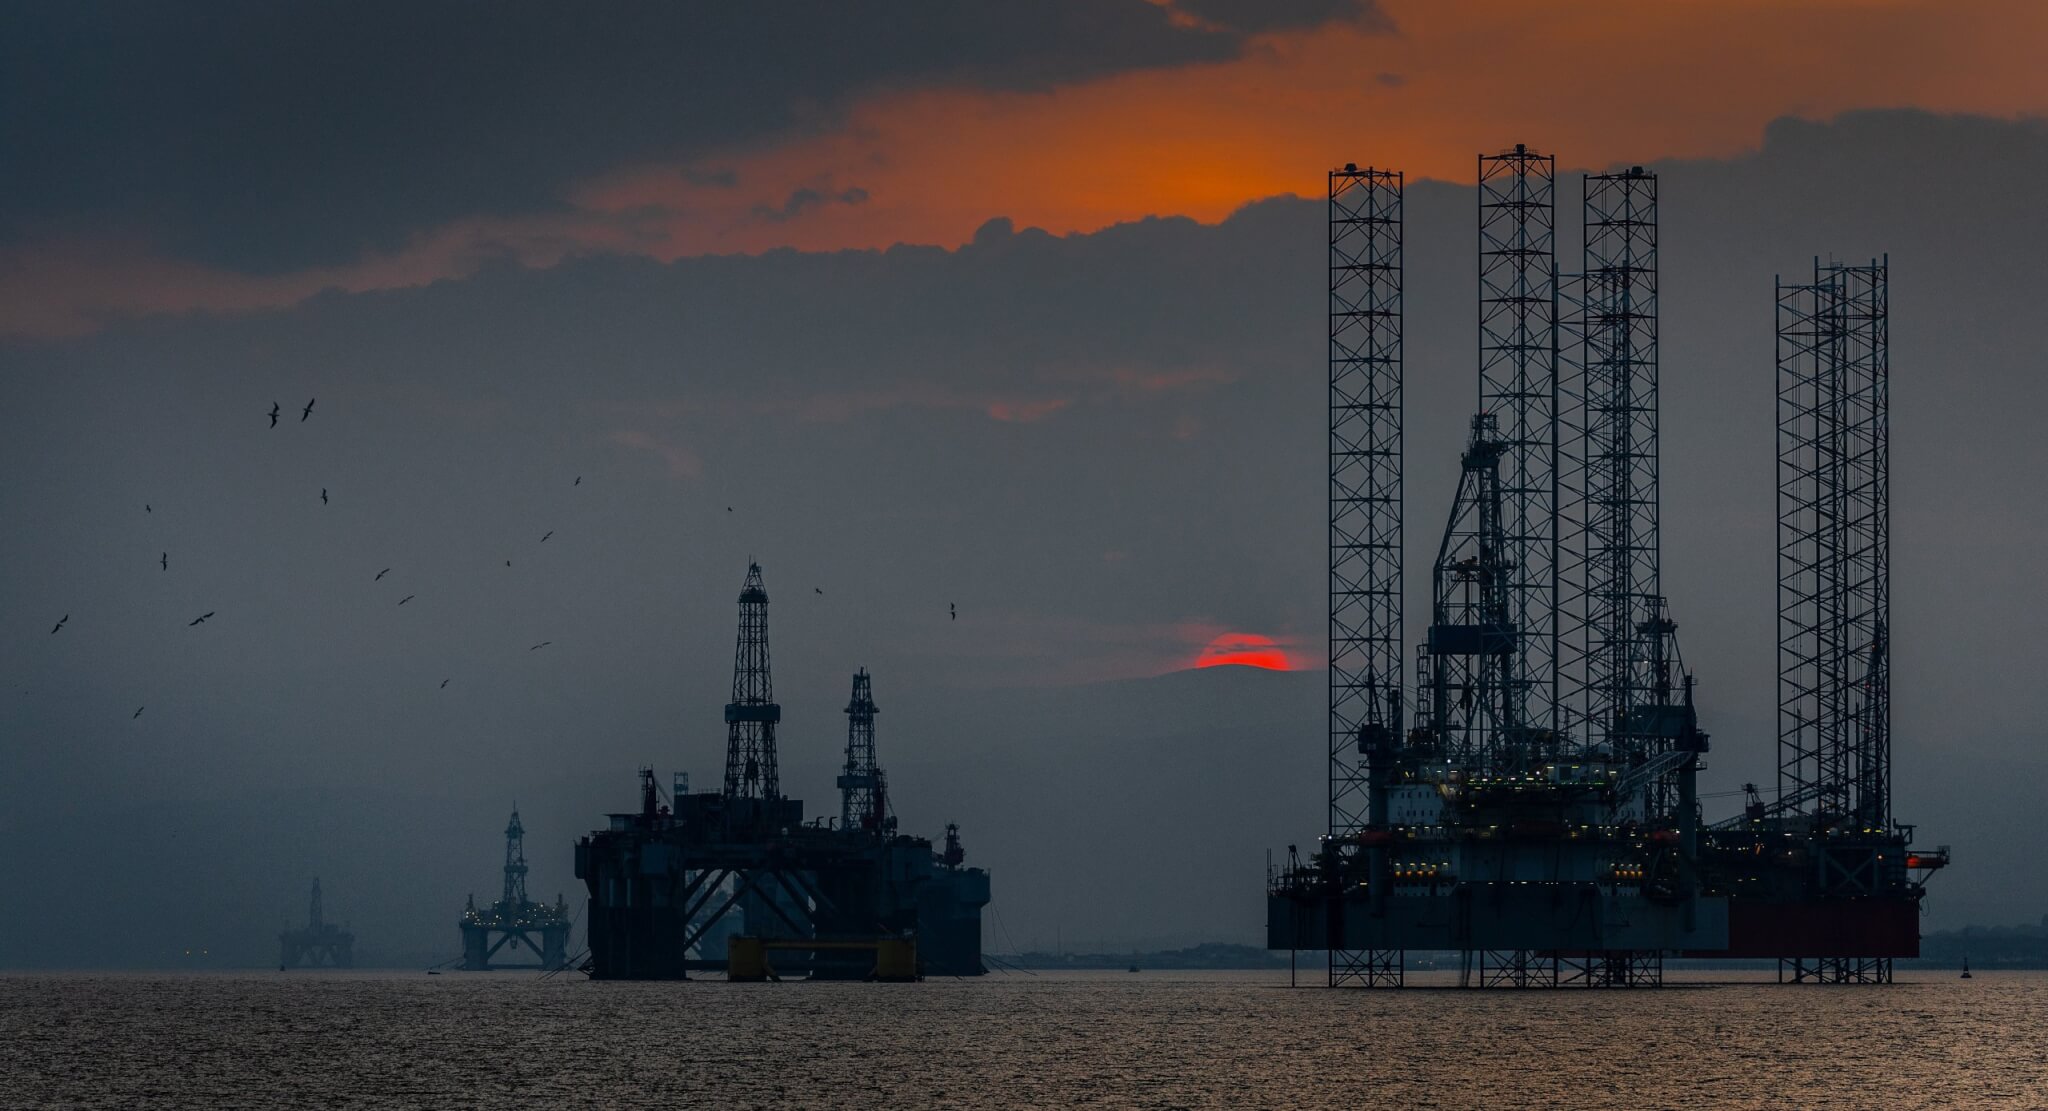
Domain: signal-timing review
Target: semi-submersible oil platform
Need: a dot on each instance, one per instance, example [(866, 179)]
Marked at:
[(1530, 801), (719, 880)]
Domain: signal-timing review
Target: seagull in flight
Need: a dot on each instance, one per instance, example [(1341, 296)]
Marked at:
[(146, 508), (308, 411), (444, 684), (728, 509), (544, 539), (541, 645), (164, 561), (578, 482), (59, 625), (323, 495), (137, 713), (198, 619), (274, 410), (382, 573), (508, 563), (817, 590), (407, 598)]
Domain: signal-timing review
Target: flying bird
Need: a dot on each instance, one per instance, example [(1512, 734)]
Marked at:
[(164, 561), (444, 684), (952, 611), (274, 410), (59, 625), (508, 563), (578, 482), (544, 539), (382, 573), (728, 509), (308, 410), (146, 508), (407, 598), (198, 619), (323, 495), (137, 713), (817, 590), (541, 645)]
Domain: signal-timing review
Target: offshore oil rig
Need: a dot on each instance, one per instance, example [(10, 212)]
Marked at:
[(321, 944), (736, 880), (1527, 796), (515, 921)]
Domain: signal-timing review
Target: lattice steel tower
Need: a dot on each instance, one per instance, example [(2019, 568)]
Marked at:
[(860, 787), (1834, 548), (1365, 479), (1473, 708), (1618, 646), (752, 714), (1365, 509), (1518, 388)]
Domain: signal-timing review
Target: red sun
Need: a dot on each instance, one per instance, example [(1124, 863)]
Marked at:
[(1243, 650)]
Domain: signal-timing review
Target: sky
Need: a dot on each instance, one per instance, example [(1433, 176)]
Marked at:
[(922, 305)]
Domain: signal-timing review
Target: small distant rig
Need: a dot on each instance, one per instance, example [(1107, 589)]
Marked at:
[(515, 922), (1527, 796), (321, 944), (735, 880)]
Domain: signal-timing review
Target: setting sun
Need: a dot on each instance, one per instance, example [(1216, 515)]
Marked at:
[(1243, 650)]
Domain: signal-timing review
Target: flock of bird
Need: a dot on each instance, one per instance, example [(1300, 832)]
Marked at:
[(164, 558)]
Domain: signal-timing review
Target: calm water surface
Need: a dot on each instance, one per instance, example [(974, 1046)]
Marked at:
[(1054, 1040)]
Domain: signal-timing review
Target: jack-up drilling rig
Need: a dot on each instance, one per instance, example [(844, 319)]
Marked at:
[(1540, 815)]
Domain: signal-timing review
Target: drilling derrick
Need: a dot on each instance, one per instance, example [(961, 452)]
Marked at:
[(1365, 509), (514, 921), (751, 716), (1518, 387), (1472, 705), (862, 802)]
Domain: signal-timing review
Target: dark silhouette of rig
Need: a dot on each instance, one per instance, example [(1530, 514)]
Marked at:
[(322, 944), (719, 880), (515, 922)]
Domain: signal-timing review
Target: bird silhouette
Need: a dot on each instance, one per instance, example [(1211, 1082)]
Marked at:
[(274, 410), (817, 590), (146, 508), (164, 561), (323, 495), (444, 684), (407, 598), (952, 611), (198, 619), (308, 410), (382, 573), (544, 539), (59, 625), (508, 563), (541, 645), (728, 509), (578, 482), (137, 713)]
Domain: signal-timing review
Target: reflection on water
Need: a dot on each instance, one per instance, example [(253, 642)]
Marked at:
[(1055, 1039)]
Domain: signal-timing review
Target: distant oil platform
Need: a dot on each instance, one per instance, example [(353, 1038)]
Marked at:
[(735, 880), (1538, 810), (321, 944), (515, 922)]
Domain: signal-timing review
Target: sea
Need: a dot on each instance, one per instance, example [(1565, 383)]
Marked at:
[(1015, 1040)]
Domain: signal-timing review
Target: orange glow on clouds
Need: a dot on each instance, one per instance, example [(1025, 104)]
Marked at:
[(1243, 650)]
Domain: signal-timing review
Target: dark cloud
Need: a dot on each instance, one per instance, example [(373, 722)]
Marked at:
[(264, 136), (804, 200), (851, 407)]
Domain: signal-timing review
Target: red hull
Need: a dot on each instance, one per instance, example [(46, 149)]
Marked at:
[(1821, 928)]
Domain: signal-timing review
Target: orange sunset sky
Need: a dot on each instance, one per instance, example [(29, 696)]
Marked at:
[(1419, 85)]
